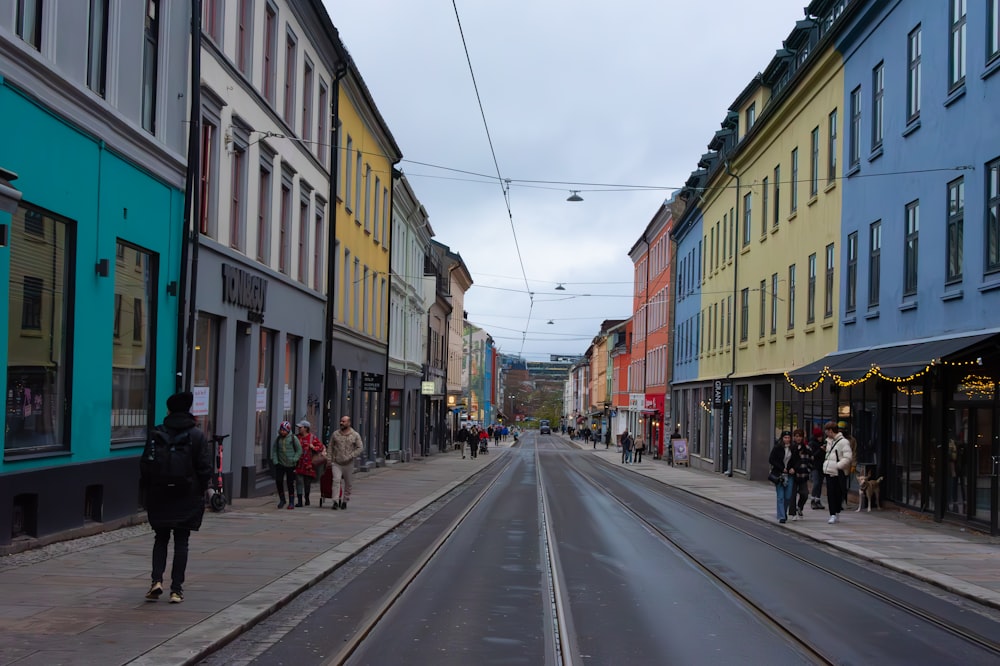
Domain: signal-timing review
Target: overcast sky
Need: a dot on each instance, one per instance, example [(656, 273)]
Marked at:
[(615, 99)]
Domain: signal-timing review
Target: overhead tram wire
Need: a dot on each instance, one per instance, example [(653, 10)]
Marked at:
[(504, 184)]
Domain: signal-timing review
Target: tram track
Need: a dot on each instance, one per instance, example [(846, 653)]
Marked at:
[(609, 479)]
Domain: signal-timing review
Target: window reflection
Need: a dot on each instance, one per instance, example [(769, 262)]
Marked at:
[(132, 346)]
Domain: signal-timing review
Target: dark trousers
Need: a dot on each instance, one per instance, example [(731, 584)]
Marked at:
[(835, 494), (801, 493), (638, 455), (285, 477), (181, 537)]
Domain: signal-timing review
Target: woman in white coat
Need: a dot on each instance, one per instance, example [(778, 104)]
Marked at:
[(835, 466)]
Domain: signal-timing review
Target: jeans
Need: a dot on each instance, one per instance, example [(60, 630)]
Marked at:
[(784, 490), (181, 537), (817, 483), (285, 476)]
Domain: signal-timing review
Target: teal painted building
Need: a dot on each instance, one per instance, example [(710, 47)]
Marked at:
[(90, 261)]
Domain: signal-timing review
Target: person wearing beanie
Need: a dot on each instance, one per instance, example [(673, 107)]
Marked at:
[(817, 447), (312, 462), (175, 508), (285, 454)]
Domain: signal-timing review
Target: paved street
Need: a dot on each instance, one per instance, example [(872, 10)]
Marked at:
[(82, 602)]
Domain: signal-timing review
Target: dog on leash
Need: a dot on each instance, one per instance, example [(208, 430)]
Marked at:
[(868, 488)]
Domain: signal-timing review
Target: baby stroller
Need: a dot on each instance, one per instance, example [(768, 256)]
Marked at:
[(484, 446)]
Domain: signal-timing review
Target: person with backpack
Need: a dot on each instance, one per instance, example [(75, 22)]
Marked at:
[(174, 472), (285, 454)]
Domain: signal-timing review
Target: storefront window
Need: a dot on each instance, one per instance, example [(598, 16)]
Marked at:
[(912, 480), (291, 393), (133, 358), (39, 332), (206, 372), (264, 434), (743, 428)]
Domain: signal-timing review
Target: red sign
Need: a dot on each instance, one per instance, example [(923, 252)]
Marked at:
[(395, 396), (654, 402)]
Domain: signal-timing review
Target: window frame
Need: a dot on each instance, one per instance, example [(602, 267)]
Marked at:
[(745, 314), (747, 217), (993, 31), (29, 31), (851, 300), (830, 282), (774, 303), (213, 20), (911, 247), (854, 152), (955, 234), (957, 58), (811, 290), (269, 54), (914, 84), (991, 249), (794, 195), (97, 47), (791, 296), (831, 161), (764, 193), (244, 37), (874, 263), (150, 66), (878, 106), (777, 196), (291, 71), (763, 309), (814, 162)]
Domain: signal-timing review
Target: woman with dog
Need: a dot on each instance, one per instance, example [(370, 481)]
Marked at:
[(835, 465), (784, 461)]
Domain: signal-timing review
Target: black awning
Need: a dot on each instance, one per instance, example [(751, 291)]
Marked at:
[(896, 362)]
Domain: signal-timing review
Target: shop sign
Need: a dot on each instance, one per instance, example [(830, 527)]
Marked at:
[(260, 404), (371, 383), (636, 401), (427, 388), (200, 405), (246, 290)]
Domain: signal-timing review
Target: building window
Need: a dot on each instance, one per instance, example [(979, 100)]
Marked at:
[(39, 287), (270, 52), (854, 152), (774, 303), (97, 46), (791, 297), (828, 286), (993, 216), (366, 207), (955, 240), (238, 189), (874, 263), (747, 213), (911, 247), (913, 83), (345, 287), (751, 117), (956, 45), (285, 229), (322, 132), (34, 223), (347, 173), (777, 195), (878, 105), (765, 193), (29, 22), (209, 171), (377, 208), (291, 46), (811, 291), (356, 294), (831, 170), (357, 184), (206, 366), (320, 216), (794, 200), (304, 225), (212, 19), (993, 31), (264, 211), (307, 102), (763, 308), (852, 272), (150, 54), (814, 163), (244, 36)]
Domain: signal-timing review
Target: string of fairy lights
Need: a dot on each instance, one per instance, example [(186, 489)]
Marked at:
[(975, 382)]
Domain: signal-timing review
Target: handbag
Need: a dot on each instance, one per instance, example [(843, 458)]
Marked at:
[(319, 457), (774, 478)]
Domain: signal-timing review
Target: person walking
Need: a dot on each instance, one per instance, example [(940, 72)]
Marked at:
[(784, 461), (835, 465), (640, 446), (802, 472), (461, 438), (627, 444), (312, 462), (173, 479), (345, 447), (817, 449), (285, 454)]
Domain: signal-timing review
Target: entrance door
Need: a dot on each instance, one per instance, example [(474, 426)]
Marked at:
[(972, 451)]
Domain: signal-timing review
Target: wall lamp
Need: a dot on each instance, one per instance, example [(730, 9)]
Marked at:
[(102, 267)]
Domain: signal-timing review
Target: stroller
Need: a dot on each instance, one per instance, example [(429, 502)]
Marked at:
[(484, 446)]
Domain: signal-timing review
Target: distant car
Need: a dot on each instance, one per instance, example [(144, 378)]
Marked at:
[(544, 428)]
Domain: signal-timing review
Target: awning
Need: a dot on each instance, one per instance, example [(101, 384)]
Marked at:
[(893, 362)]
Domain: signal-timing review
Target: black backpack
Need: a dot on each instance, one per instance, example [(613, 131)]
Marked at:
[(167, 461)]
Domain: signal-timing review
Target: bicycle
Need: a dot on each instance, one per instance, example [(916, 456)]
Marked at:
[(218, 500)]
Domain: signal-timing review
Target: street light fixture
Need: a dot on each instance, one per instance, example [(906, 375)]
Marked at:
[(574, 196)]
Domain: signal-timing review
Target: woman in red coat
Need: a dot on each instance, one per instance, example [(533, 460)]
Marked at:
[(312, 464)]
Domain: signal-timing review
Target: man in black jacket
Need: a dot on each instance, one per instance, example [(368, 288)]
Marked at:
[(817, 446), (177, 507)]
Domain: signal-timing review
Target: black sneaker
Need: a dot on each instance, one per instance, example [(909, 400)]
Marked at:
[(155, 590), (336, 505), (343, 505)]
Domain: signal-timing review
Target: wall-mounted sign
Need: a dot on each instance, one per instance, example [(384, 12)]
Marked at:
[(245, 290), (370, 382), (427, 388), (201, 396)]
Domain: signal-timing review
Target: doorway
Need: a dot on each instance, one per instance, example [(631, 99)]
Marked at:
[(973, 452)]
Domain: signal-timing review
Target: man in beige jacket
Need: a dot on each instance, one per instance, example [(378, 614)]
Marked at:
[(345, 446)]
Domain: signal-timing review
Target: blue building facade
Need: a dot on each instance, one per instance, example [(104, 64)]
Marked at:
[(918, 361), (91, 257)]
